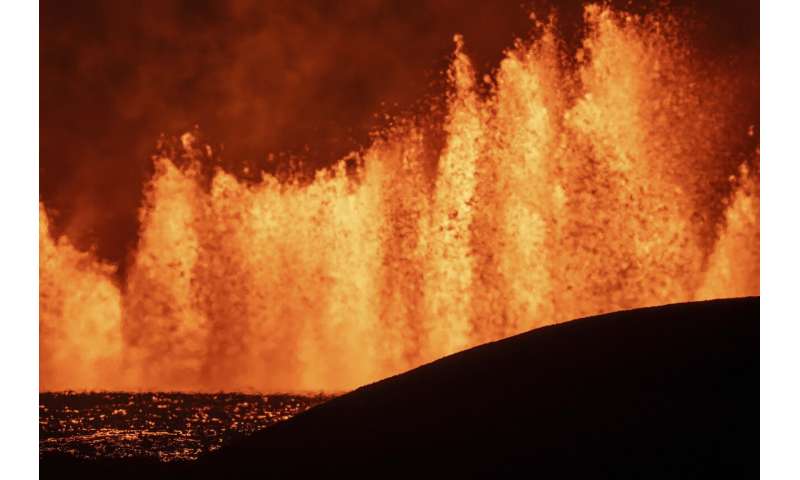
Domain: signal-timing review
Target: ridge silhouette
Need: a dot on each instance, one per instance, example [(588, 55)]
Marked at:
[(662, 392)]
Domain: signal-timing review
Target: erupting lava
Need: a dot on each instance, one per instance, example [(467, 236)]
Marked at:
[(565, 187)]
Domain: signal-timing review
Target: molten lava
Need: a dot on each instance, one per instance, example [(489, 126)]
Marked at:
[(566, 187)]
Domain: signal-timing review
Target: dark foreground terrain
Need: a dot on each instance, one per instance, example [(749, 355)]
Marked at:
[(667, 392)]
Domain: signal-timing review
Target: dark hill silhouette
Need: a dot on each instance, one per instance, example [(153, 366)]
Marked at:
[(665, 392)]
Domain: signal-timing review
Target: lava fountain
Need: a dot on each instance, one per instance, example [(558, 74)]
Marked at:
[(566, 186)]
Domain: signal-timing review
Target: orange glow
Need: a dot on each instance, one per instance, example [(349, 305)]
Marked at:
[(573, 187), (79, 317)]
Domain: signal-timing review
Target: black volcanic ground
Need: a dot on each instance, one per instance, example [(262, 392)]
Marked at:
[(667, 392)]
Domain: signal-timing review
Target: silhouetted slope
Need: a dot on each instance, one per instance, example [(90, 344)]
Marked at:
[(671, 390), (660, 392)]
